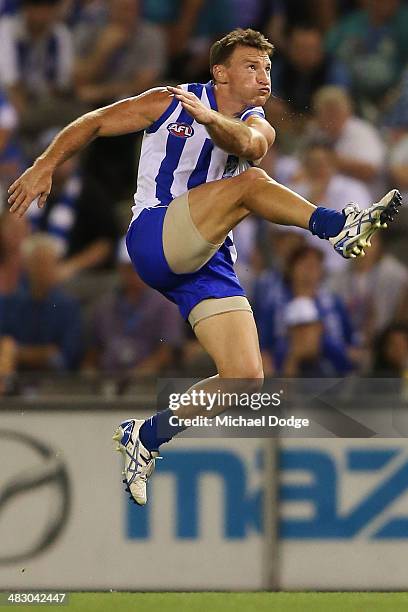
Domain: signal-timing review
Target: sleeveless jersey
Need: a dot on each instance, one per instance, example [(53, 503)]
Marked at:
[(178, 154)]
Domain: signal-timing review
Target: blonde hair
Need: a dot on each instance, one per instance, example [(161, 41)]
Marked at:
[(331, 94)]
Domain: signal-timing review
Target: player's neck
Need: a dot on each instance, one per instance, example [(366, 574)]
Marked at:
[(227, 104)]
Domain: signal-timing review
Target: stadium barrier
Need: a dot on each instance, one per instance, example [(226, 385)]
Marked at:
[(212, 519)]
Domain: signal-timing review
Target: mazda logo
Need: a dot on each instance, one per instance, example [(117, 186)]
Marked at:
[(38, 470)]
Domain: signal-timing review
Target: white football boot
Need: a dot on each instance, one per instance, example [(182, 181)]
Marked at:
[(360, 225), (139, 462)]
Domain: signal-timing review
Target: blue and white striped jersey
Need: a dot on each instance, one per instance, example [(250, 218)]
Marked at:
[(178, 154)]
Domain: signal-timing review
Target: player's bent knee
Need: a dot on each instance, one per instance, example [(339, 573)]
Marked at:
[(252, 179), (254, 174)]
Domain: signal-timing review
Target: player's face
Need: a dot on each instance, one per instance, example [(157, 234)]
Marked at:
[(248, 73)]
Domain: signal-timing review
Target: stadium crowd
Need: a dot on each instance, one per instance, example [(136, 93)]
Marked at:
[(69, 298)]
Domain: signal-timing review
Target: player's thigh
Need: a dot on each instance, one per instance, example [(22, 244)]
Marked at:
[(217, 207), (231, 339)]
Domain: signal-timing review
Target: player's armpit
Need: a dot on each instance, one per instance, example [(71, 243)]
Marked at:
[(263, 137), (133, 114)]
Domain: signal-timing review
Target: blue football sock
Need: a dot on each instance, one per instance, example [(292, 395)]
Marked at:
[(157, 430), (326, 222)]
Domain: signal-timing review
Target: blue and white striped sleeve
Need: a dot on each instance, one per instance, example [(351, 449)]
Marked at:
[(257, 111)]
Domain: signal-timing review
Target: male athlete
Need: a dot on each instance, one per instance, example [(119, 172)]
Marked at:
[(197, 180)]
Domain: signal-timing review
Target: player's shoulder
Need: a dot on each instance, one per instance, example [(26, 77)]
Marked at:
[(155, 101), (162, 91), (255, 118), (252, 111), (204, 91), (156, 94), (162, 103)]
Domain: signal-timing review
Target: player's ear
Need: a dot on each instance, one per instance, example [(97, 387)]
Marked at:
[(220, 74)]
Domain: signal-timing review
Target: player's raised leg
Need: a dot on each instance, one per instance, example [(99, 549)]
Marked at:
[(218, 207)]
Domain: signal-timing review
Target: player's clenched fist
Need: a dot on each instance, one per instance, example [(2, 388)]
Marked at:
[(193, 105), (34, 184)]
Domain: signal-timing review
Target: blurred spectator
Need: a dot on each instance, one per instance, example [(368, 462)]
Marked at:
[(398, 161), (75, 12), (374, 289), (373, 43), (269, 285), (118, 58), (304, 331), (395, 111), (285, 241), (391, 352), (58, 217), (8, 7), (13, 231), (80, 217), (245, 240), (43, 322), (318, 181), (304, 68), (277, 17), (134, 330), (35, 67), (396, 238), (331, 341), (265, 15), (190, 27), (11, 162), (281, 167), (359, 149)]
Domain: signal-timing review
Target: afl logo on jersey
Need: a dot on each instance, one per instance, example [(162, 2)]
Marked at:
[(181, 130)]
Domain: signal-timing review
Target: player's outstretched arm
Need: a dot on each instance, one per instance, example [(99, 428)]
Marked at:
[(250, 139), (126, 116)]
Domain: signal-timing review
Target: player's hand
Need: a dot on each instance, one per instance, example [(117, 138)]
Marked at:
[(34, 184), (193, 105)]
